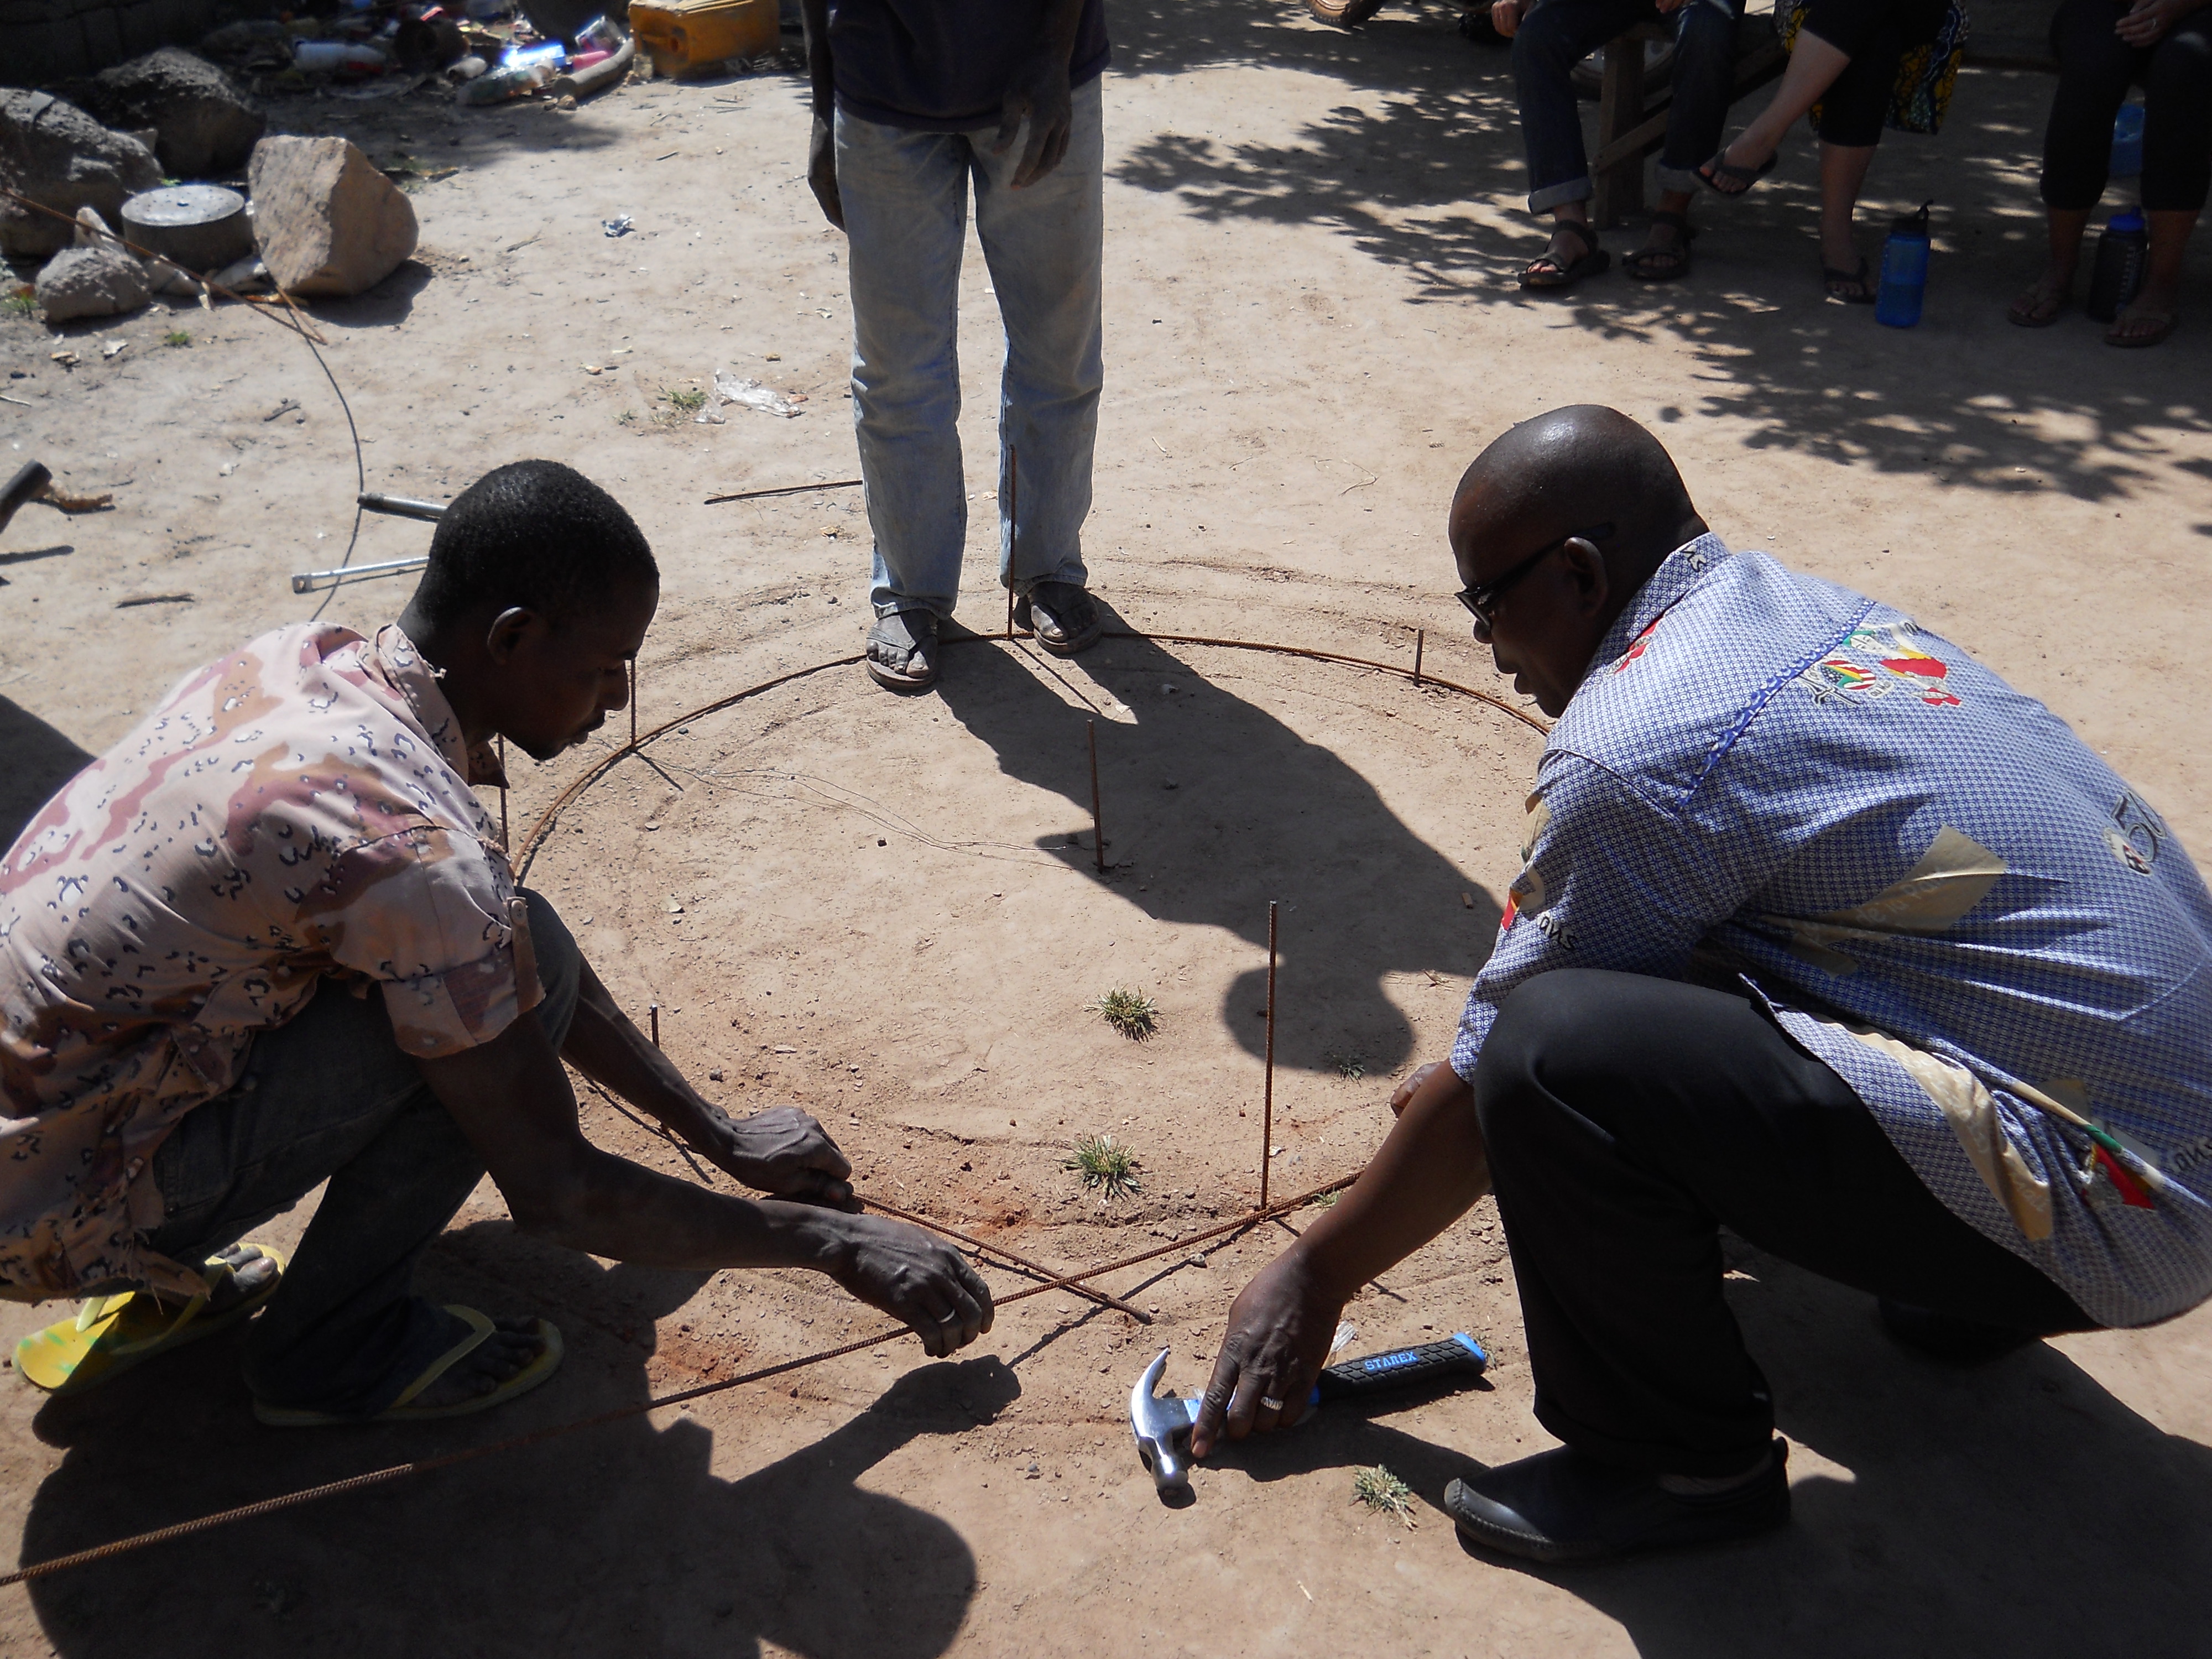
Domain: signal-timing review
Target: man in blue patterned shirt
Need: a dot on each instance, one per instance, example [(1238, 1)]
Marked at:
[(1823, 933)]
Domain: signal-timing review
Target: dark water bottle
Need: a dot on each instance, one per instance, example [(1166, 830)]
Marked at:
[(1904, 270), (2123, 254)]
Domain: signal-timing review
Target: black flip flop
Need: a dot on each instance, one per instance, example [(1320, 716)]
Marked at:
[(1740, 179), (1592, 260), (1862, 279), (1671, 262)]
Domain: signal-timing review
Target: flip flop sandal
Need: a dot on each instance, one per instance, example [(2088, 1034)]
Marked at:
[(1339, 15), (1064, 617), (1592, 260), (112, 1333), (1741, 179), (2163, 324), (1663, 264), (1862, 279), (402, 1410), (894, 643), (2036, 316)]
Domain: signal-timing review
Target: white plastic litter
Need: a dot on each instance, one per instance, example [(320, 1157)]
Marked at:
[(617, 226), (747, 394)]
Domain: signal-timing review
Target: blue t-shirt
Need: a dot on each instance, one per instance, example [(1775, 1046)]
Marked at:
[(1938, 889), (942, 65)]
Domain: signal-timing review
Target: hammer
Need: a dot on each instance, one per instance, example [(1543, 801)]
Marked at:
[(1163, 1425)]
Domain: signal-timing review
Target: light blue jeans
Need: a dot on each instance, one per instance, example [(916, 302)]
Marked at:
[(906, 214)]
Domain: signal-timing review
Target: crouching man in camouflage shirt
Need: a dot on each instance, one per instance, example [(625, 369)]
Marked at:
[(272, 938)]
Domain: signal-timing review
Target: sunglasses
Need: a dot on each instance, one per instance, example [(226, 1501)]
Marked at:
[(1482, 598)]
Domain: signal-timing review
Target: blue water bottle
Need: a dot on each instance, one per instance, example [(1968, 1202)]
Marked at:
[(2127, 142), (1904, 270)]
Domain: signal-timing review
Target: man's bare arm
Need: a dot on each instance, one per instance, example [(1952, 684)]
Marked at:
[(1430, 1168), (781, 1150), (512, 1099), (1038, 92)]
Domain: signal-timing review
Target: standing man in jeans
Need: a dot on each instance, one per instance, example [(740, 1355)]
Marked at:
[(912, 98), (1550, 37)]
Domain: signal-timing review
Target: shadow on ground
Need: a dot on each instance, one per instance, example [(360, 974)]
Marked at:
[(1431, 180), (1213, 807), (2014, 1510), (35, 759), (617, 1540)]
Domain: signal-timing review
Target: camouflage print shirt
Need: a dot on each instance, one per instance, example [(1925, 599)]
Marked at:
[(1937, 888), (299, 811)]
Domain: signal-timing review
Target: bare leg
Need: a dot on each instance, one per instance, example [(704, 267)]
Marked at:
[(1814, 66), (2152, 309), (2047, 295), (1843, 172)]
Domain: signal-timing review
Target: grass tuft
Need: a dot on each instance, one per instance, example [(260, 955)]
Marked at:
[(1353, 1065), (1134, 1016), (177, 337), (23, 302), (1383, 1492), (1105, 1165), (689, 399)]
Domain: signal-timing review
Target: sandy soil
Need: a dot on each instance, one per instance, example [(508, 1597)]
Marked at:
[(887, 909)]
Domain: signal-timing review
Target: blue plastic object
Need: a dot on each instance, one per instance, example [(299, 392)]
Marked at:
[(1904, 271), (2127, 142)]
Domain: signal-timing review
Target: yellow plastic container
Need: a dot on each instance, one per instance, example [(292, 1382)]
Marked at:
[(692, 37)]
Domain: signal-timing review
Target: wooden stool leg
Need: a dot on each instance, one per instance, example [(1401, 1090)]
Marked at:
[(1620, 107)]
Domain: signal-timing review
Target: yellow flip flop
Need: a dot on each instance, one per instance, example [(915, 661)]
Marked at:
[(112, 1333), (403, 1410)]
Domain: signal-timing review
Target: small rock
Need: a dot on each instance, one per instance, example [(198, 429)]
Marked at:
[(202, 124), (56, 155), (91, 282), (325, 219), (715, 1076)]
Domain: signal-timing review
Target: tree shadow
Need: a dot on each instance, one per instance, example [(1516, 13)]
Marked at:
[(616, 1540), (2012, 1508), (1212, 807), (39, 759), (1430, 183)]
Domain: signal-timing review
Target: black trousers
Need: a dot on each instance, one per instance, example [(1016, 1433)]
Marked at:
[(1628, 1120), (1874, 35), (2095, 68)]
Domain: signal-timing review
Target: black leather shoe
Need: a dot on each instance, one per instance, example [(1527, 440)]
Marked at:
[(1948, 1337), (1561, 1506), (1064, 617)]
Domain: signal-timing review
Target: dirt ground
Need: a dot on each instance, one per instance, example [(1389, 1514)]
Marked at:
[(887, 909)]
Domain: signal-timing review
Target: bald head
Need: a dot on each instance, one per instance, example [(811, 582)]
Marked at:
[(1575, 467), (1559, 523)]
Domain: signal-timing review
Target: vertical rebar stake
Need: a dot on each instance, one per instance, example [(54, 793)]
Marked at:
[(632, 702), (653, 1013), (1420, 639), (1268, 1096), (503, 838), (1014, 528), (1097, 819)]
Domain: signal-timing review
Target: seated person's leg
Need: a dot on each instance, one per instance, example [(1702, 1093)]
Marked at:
[(1705, 76), (2177, 170), (1548, 44), (330, 1095), (1627, 1120), (2095, 67), (1852, 114)]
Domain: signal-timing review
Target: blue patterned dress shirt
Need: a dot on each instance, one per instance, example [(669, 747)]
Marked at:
[(1937, 888)]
